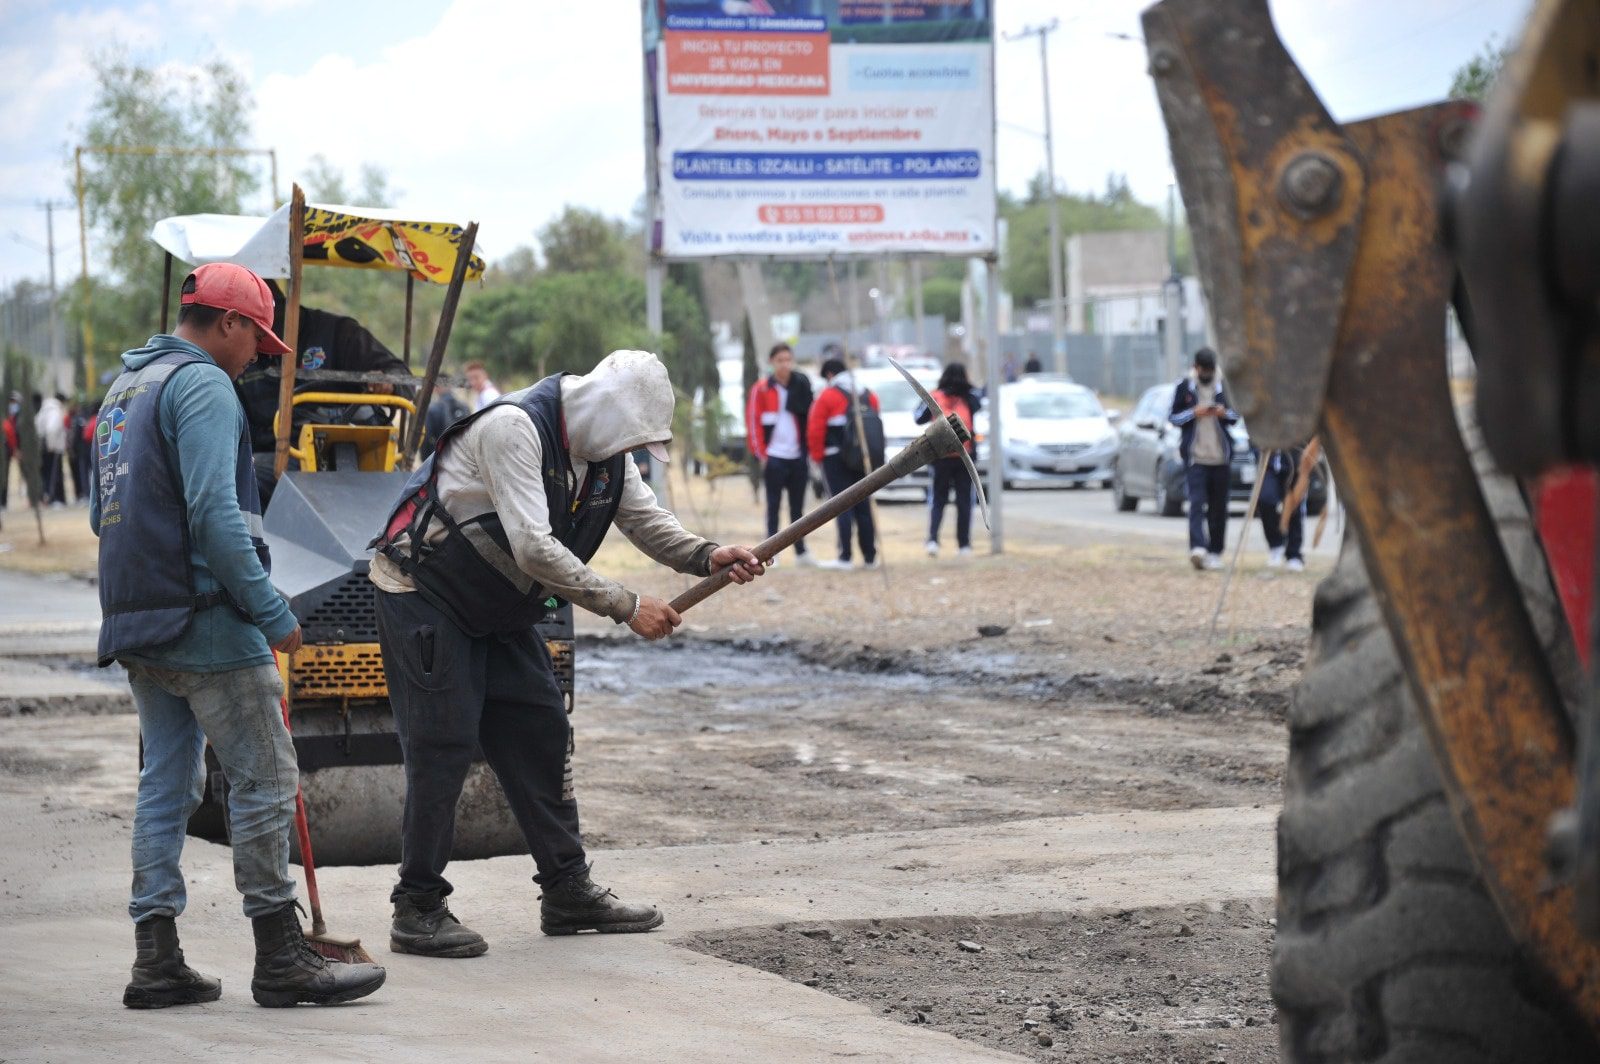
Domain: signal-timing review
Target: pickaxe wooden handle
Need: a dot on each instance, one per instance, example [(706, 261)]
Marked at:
[(943, 436)]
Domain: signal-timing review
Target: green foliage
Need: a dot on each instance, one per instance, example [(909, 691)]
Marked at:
[(126, 189), (584, 241), (942, 295), (1476, 77), (138, 107), (570, 321), (1027, 273)]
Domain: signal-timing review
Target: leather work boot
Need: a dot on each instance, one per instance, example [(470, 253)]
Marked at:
[(290, 972), (160, 978), (424, 925), (577, 903)]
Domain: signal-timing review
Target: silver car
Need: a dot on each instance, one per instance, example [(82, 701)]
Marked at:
[(1056, 432), (897, 407)]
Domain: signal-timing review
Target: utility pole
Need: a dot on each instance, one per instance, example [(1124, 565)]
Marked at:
[(58, 347), (1058, 331)]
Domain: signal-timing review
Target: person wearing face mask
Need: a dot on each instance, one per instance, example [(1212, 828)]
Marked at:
[(488, 536), (1201, 411)]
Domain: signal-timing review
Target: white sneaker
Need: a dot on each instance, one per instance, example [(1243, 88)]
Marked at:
[(1213, 561), (805, 559), (873, 564), (1275, 558), (1197, 557), (1297, 565), (836, 563), (965, 552), (932, 547)]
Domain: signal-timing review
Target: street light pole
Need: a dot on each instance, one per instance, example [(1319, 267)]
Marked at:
[(1058, 330)]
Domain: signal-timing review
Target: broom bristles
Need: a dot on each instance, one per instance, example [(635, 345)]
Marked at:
[(342, 948)]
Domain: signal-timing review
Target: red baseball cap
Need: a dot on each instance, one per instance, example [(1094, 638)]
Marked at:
[(227, 286)]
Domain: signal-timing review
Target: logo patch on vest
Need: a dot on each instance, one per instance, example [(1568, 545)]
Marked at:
[(314, 358), (108, 431)]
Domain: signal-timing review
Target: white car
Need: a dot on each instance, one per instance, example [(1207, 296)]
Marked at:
[(1056, 433), (897, 406)]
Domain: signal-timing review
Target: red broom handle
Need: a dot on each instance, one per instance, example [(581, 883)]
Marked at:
[(303, 829)]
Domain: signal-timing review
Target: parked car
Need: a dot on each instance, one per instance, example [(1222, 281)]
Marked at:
[(898, 402), (1056, 433), (1147, 465)]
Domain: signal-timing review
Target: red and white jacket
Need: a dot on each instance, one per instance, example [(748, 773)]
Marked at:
[(829, 413), (762, 411)]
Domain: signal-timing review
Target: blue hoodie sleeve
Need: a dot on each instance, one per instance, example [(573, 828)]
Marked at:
[(1182, 410), (206, 420)]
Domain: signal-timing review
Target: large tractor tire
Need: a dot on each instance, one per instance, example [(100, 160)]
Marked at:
[(1389, 948)]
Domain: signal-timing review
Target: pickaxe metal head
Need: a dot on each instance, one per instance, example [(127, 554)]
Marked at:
[(961, 433)]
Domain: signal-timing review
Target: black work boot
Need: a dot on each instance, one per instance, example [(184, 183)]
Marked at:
[(289, 972), (424, 925), (160, 978), (577, 903)]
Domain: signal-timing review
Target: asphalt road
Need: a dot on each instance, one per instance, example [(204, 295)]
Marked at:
[(1033, 512)]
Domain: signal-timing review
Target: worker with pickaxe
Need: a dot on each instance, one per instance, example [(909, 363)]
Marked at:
[(488, 536)]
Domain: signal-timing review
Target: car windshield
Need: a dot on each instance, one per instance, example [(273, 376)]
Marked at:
[(1058, 404), (896, 397)]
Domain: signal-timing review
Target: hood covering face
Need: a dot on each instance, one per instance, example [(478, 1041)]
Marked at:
[(623, 403)]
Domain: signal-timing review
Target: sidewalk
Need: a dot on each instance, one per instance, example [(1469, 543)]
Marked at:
[(588, 998)]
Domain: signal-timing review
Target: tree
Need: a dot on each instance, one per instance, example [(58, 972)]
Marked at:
[(138, 107), (1027, 273), (1474, 78), (942, 295), (580, 241), (125, 191)]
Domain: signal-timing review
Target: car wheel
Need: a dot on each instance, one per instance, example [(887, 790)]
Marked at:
[(1119, 493), (1166, 505)]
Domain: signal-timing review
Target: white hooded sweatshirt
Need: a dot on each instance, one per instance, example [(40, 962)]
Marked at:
[(495, 464)]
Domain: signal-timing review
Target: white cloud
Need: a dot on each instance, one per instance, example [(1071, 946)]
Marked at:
[(507, 111)]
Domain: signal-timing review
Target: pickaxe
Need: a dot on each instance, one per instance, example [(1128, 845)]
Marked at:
[(945, 436)]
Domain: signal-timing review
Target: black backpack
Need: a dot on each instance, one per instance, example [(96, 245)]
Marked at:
[(871, 424)]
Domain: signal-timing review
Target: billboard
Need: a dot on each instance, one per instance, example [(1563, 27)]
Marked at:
[(822, 127)]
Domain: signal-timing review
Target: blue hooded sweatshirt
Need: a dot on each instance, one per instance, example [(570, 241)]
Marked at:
[(201, 421)]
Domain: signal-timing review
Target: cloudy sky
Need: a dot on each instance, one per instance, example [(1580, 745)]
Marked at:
[(504, 110)]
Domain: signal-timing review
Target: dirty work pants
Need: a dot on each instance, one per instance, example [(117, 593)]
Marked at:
[(950, 475), (240, 712), (453, 694), (840, 478), (1274, 491), (1207, 488), (781, 475)]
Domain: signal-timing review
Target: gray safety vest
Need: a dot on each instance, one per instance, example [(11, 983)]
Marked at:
[(147, 589)]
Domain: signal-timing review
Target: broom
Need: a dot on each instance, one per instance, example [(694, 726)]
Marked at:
[(344, 948)]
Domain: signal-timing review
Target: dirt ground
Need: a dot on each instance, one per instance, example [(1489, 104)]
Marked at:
[(1069, 676), (1177, 984)]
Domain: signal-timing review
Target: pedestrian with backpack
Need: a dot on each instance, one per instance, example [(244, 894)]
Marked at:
[(834, 439), (954, 396)]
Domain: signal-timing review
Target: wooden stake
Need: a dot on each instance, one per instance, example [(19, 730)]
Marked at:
[(291, 330)]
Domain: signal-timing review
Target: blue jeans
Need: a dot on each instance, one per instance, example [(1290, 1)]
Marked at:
[(239, 712), (839, 478)]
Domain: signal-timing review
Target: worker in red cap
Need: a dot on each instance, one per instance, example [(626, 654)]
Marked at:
[(188, 608)]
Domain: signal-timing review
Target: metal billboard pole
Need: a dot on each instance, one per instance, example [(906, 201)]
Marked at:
[(655, 270), (1058, 331)]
